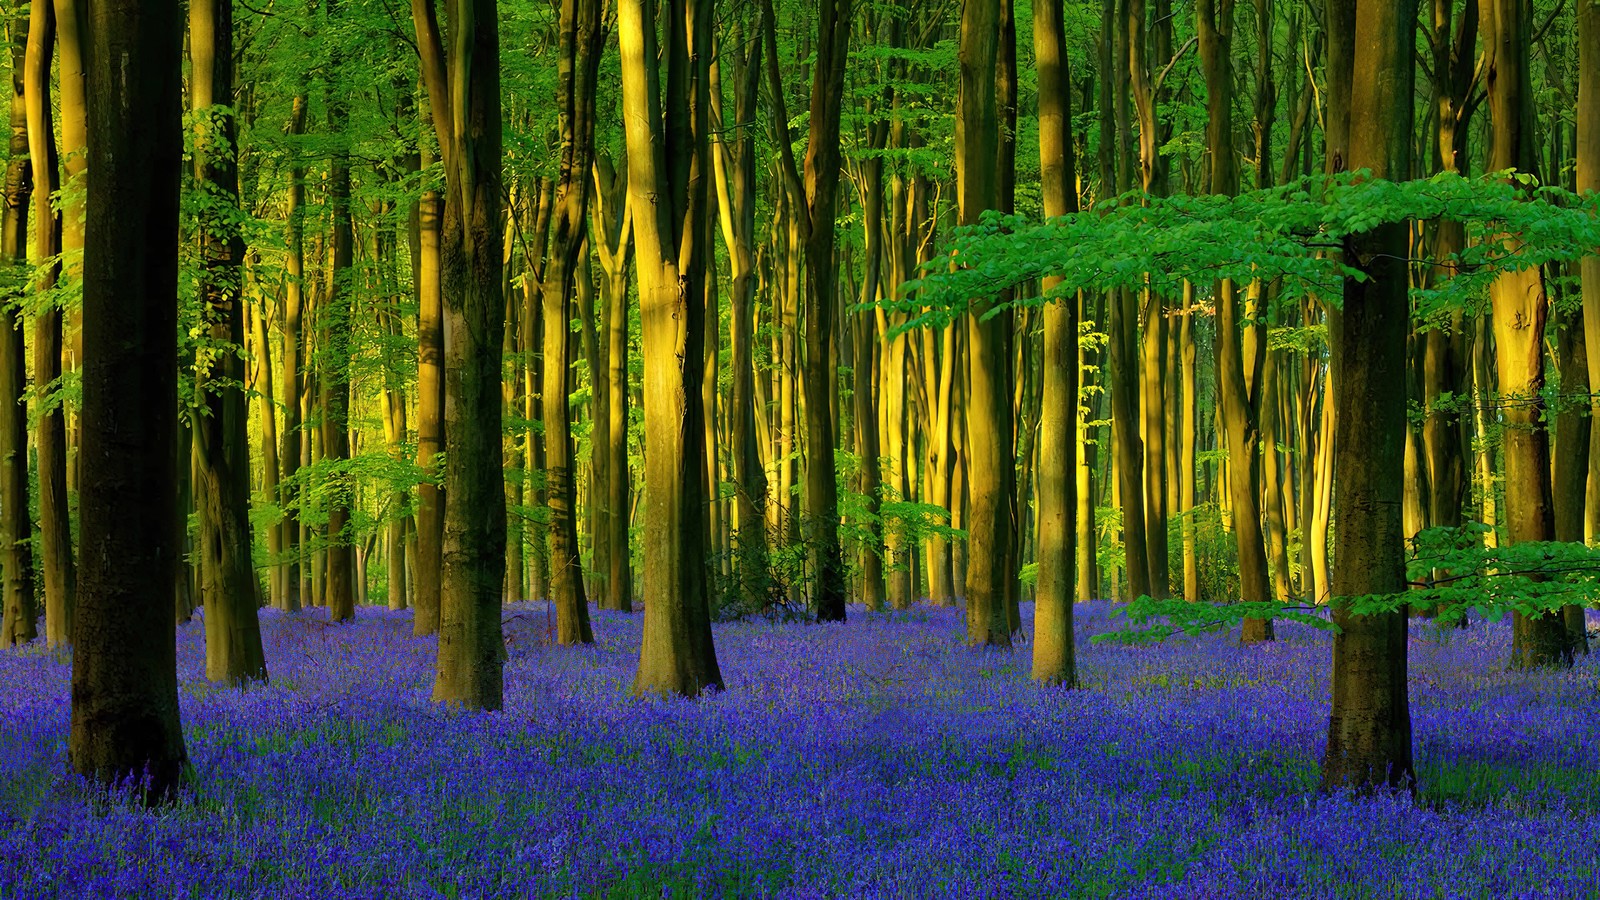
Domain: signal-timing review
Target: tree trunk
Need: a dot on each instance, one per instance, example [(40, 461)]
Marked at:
[(1520, 308), (464, 93), (50, 440), (1588, 179), (582, 38), (18, 620), (228, 585), (1369, 726), (988, 408), (1054, 650), (677, 656), (124, 666), (429, 568)]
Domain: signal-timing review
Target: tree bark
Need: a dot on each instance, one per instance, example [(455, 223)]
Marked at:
[(1369, 726), (666, 141), (464, 93), (124, 666), (220, 430), (1521, 307), (1054, 649), (18, 619)]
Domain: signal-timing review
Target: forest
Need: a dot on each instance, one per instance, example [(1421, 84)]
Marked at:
[(800, 448)]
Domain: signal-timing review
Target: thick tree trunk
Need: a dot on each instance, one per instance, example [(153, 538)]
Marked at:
[(124, 667), (1369, 726), (666, 142), (464, 93), (1521, 308)]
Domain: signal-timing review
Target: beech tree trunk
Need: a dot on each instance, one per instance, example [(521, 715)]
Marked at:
[(1369, 726), (220, 430), (666, 140), (1054, 650), (18, 619), (464, 94), (124, 662)]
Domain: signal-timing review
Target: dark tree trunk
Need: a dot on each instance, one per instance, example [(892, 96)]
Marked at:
[(124, 667)]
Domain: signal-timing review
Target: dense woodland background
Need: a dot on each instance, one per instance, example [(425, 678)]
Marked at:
[(639, 275)]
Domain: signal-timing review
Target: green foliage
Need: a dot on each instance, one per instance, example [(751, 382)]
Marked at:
[(1287, 234), (1449, 570)]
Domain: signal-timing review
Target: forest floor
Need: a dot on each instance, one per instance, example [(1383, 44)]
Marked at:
[(879, 758)]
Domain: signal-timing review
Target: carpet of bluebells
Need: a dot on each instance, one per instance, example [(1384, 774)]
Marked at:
[(879, 758)]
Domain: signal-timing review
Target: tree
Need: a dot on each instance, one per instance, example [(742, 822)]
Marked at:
[(812, 207), (50, 435), (989, 458), (1521, 308), (1054, 654), (220, 425), (666, 141), (1369, 726), (582, 38), (18, 619), (124, 667), (464, 95), (1239, 379), (1588, 179)]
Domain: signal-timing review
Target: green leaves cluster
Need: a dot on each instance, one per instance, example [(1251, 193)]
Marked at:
[(1293, 235)]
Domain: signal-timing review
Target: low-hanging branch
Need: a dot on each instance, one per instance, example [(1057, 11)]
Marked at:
[(1287, 234)]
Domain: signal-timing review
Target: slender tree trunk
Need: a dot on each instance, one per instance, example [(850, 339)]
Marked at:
[(124, 666), (292, 378), (50, 440), (582, 38), (228, 586), (335, 327), (429, 568), (1238, 375), (988, 407), (18, 620), (1054, 652), (614, 241), (1588, 179)]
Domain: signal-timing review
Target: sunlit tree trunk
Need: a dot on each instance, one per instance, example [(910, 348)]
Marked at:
[(1520, 309), (1239, 375), (429, 566), (1054, 652), (735, 160), (612, 237), (18, 620), (1588, 179), (581, 42), (464, 93), (988, 403), (291, 379), (50, 434), (124, 666), (220, 430), (666, 139)]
